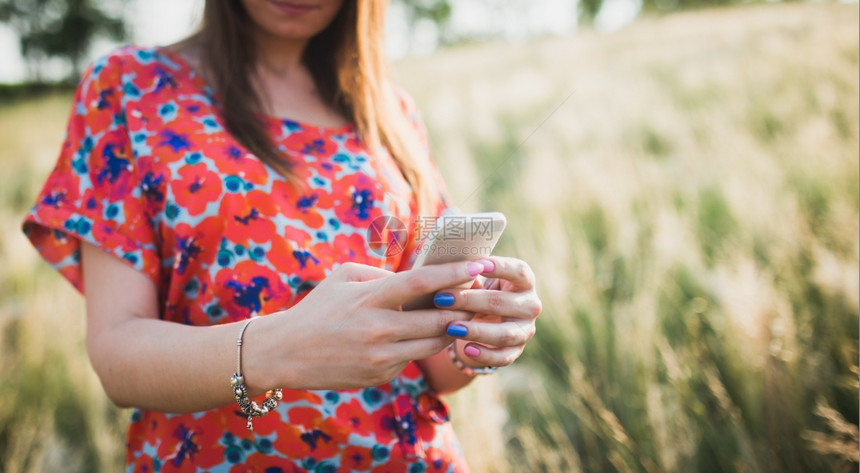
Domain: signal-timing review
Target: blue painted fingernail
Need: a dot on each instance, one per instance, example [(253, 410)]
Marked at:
[(457, 330), (444, 299)]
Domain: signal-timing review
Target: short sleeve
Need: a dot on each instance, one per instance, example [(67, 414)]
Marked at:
[(93, 192), (422, 224)]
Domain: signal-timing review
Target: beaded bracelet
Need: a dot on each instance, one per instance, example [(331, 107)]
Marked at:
[(466, 369), (250, 408)]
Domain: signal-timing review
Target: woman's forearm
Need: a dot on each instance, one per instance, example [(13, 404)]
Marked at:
[(170, 367), (147, 362)]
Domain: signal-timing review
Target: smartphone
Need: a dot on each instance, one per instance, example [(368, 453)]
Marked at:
[(452, 238)]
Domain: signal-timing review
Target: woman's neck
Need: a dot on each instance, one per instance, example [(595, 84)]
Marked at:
[(280, 56), (286, 86)]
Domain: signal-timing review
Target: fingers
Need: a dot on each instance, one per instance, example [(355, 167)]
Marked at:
[(514, 270), (422, 348), (407, 285), (493, 284), (480, 355), (415, 324), (492, 344), (512, 333), (519, 305)]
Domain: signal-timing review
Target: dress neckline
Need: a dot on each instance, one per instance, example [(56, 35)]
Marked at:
[(200, 83)]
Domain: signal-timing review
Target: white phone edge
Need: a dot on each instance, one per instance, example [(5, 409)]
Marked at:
[(458, 237)]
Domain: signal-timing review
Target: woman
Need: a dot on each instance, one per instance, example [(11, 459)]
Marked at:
[(235, 175)]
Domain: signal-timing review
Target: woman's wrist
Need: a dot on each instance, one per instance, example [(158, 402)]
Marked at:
[(263, 361), (248, 406)]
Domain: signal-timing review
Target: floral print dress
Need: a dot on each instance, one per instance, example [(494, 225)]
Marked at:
[(148, 173)]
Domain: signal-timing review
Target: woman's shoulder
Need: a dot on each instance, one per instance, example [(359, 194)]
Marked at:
[(412, 112), (127, 57), (130, 62), (406, 101)]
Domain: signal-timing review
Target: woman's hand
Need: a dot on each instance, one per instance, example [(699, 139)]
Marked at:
[(346, 333), (506, 307), (349, 332)]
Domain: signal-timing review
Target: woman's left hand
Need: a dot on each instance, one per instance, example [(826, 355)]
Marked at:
[(505, 306)]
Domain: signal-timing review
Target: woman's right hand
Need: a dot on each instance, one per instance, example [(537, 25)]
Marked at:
[(349, 331)]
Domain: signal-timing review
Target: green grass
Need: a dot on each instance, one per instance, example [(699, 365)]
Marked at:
[(691, 213)]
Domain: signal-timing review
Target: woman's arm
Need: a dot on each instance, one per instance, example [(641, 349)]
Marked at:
[(347, 333)]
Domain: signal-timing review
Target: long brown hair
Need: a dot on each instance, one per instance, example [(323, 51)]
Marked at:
[(348, 65)]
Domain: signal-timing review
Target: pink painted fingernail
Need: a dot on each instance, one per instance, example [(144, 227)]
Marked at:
[(472, 351), (474, 268), (487, 264)]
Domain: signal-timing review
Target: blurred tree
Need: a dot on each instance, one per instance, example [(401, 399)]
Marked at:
[(588, 9), (437, 11), (671, 5), (59, 29)]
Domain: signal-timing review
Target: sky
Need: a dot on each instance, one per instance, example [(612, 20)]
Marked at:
[(165, 21)]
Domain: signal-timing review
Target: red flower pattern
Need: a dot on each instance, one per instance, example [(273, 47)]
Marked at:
[(197, 188)]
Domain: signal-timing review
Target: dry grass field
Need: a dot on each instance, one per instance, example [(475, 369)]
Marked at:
[(690, 209)]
